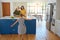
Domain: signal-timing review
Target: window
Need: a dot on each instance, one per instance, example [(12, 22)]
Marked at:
[(36, 8)]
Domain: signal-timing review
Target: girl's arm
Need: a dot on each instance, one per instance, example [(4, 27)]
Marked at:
[(14, 23), (27, 19)]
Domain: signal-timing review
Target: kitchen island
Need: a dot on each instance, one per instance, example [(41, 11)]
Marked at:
[(5, 26)]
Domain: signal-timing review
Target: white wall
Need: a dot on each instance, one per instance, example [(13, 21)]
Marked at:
[(14, 0), (23, 0), (57, 27), (57, 21), (16, 4), (58, 10), (11, 8), (0, 9), (51, 1)]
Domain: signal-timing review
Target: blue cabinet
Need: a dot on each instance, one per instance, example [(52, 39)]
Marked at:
[(5, 26), (31, 26)]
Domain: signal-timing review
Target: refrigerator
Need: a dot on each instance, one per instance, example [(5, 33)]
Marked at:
[(49, 15)]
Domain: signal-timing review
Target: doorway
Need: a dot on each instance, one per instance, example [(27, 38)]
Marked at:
[(6, 8)]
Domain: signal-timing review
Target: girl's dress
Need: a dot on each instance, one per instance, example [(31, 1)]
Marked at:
[(21, 26)]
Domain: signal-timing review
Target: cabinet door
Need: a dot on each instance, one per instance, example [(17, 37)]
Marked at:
[(6, 8), (4, 25), (30, 26), (14, 29)]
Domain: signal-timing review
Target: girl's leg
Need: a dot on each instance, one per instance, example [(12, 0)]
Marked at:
[(0, 35), (22, 37), (19, 37)]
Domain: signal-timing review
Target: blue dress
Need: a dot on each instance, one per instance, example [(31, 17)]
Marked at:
[(21, 26)]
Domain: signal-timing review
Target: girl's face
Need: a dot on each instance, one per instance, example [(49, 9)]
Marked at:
[(22, 7)]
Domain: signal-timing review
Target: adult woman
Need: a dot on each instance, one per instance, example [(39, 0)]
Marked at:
[(23, 11)]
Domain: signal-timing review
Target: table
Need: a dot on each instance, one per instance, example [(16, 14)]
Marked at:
[(38, 17)]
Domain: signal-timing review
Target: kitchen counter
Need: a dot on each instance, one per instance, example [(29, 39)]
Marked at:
[(5, 26)]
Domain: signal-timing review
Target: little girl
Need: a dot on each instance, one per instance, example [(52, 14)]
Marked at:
[(21, 26)]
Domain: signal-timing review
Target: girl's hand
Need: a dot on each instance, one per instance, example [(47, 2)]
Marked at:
[(11, 25), (14, 23)]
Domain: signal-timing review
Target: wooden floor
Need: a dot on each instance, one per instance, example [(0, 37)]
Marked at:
[(41, 34)]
